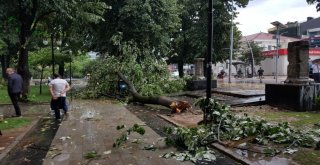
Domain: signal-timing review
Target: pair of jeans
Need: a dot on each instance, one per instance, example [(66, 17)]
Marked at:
[(14, 99), (316, 77), (59, 103)]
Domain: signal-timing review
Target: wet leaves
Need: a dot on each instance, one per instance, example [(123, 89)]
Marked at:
[(223, 125), (65, 138), (107, 152), (290, 151), (150, 147), (91, 155), (124, 136)]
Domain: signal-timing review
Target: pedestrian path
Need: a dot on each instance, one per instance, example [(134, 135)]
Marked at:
[(91, 126)]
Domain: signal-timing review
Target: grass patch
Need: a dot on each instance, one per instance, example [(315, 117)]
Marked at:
[(11, 123), (306, 156), (295, 119), (34, 95)]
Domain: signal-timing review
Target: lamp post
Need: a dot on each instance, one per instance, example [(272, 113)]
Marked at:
[(52, 54), (209, 60), (70, 72), (58, 42), (231, 45), (278, 25)]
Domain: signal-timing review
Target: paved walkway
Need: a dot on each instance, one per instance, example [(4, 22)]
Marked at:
[(91, 126)]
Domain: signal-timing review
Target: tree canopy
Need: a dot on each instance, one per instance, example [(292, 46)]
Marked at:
[(25, 16), (313, 2)]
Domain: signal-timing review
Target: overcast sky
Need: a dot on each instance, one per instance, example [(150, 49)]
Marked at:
[(258, 15)]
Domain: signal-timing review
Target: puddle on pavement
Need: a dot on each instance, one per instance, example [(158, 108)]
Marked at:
[(246, 85), (255, 156), (89, 115)]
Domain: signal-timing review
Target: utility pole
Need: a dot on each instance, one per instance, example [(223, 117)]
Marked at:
[(209, 60), (231, 45)]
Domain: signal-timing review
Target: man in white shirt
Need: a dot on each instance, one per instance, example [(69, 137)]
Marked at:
[(316, 72), (58, 89)]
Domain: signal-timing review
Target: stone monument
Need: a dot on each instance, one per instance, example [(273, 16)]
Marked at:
[(198, 69), (298, 56), (297, 92), (198, 81)]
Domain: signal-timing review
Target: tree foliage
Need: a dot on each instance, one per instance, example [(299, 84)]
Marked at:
[(224, 127), (313, 2), (148, 24), (26, 15), (190, 41), (150, 76), (246, 55)]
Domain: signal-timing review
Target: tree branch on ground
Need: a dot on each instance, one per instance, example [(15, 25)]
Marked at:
[(176, 106)]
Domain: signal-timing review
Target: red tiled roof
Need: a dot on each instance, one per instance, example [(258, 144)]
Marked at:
[(264, 36)]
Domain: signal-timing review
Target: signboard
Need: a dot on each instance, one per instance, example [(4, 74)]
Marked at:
[(284, 52)]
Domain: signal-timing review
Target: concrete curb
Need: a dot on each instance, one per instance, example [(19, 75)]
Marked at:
[(18, 139), (218, 147)]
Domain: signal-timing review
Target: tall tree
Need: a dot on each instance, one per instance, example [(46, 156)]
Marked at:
[(191, 40), (28, 14), (246, 54), (148, 24)]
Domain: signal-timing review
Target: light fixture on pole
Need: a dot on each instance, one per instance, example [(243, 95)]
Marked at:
[(278, 25), (231, 45)]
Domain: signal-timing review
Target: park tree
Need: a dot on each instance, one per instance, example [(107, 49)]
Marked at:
[(253, 50), (28, 14), (190, 41), (147, 24), (314, 2)]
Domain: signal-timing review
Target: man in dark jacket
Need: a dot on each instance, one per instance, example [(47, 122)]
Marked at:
[(14, 89)]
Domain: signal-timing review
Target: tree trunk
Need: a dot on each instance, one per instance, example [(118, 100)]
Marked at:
[(174, 105), (4, 65), (23, 70), (180, 68), (23, 64), (61, 69), (41, 77)]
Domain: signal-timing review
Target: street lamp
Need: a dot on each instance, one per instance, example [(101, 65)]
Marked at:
[(278, 25), (70, 71), (231, 45), (59, 42), (209, 60)]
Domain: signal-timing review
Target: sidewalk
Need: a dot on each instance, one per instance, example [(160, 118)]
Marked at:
[(265, 80), (91, 126)]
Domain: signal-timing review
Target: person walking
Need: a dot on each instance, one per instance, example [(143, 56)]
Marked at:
[(14, 89), (58, 89), (260, 72), (316, 72)]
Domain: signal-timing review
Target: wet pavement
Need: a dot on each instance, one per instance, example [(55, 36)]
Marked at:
[(91, 126), (31, 147)]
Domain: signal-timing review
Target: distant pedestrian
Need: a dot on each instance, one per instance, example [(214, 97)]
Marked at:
[(14, 89), (260, 73), (58, 89), (316, 72)]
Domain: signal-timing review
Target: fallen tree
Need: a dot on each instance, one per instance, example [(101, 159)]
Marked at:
[(176, 106)]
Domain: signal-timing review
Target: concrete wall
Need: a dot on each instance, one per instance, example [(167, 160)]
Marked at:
[(268, 65)]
